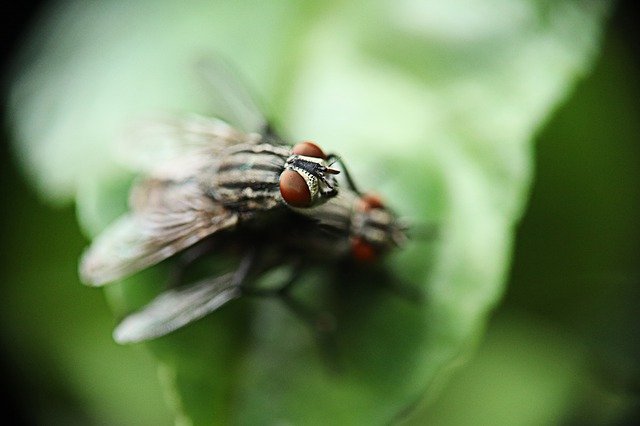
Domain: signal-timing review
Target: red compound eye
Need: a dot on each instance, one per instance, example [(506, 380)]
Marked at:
[(309, 149), (362, 251), (294, 189)]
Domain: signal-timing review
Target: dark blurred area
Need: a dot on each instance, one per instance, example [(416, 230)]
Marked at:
[(571, 307), (29, 232), (15, 407), (576, 265), (577, 257)]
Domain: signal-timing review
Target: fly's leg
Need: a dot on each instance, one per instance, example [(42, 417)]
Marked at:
[(197, 252), (321, 323), (246, 266), (185, 260), (278, 291), (323, 326)]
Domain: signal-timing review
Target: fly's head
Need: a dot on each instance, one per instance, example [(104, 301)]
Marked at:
[(374, 229), (307, 179)]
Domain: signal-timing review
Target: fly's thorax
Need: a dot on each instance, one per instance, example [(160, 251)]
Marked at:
[(374, 229), (263, 176), (247, 176)]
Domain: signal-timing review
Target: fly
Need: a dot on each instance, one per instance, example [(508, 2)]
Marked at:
[(349, 226), (202, 176)]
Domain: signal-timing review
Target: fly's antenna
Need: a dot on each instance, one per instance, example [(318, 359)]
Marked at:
[(333, 159)]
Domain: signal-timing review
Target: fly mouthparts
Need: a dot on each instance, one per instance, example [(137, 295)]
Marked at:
[(331, 171)]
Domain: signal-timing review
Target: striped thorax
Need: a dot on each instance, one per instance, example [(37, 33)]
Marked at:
[(260, 177), (247, 177)]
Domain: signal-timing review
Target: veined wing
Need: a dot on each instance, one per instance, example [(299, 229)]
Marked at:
[(176, 308), (166, 217), (162, 140), (236, 103), (157, 139)]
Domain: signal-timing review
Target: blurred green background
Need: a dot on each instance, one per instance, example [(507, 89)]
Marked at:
[(562, 348)]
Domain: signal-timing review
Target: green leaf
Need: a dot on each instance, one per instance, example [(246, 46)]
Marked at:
[(525, 373), (432, 104)]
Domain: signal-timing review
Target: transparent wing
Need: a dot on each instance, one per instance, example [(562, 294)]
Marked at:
[(176, 308), (166, 217), (161, 140), (236, 103)]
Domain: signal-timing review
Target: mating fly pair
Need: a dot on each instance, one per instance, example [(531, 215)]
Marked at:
[(206, 181)]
